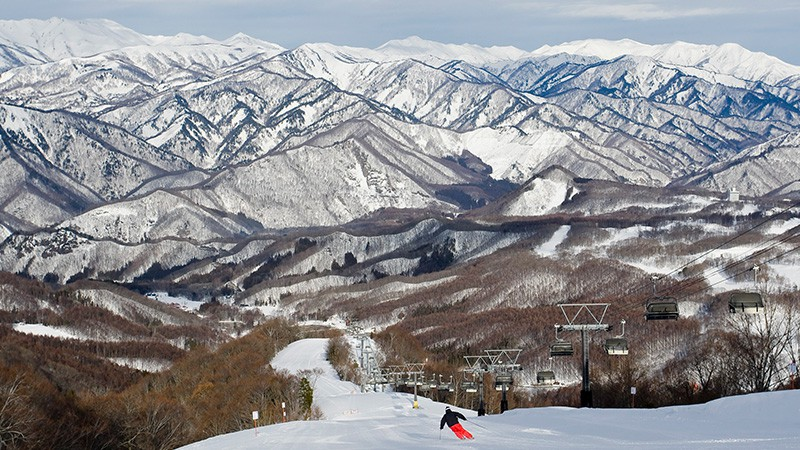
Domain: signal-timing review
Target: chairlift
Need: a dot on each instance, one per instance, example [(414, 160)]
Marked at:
[(617, 345), (545, 377), (502, 379), (443, 386), (561, 347), (746, 302), (432, 384), (661, 308), (449, 387), (469, 386), (423, 385)]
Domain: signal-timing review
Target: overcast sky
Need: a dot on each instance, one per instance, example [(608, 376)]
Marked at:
[(769, 26)]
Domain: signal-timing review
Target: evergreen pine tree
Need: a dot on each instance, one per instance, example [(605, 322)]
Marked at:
[(306, 397)]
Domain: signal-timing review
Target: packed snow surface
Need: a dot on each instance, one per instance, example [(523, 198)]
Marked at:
[(387, 420), (179, 302), (39, 329)]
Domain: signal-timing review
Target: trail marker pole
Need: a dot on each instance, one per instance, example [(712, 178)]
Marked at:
[(283, 406), (416, 403)]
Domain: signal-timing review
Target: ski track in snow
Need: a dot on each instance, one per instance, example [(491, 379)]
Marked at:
[(39, 329), (387, 420), (549, 247)]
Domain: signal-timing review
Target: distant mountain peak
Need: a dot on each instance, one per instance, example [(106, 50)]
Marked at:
[(426, 50), (728, 59), (61, 38)]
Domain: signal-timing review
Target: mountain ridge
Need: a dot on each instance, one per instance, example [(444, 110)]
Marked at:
[(244, 136)]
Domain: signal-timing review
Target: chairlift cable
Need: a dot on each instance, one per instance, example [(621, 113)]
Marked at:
[(744, 271), (733, 238), (728, 241), (741, 260)]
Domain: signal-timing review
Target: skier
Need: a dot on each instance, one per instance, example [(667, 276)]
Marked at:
[(451, 419)]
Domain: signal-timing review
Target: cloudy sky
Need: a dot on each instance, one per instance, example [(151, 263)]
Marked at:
[(770, 26)]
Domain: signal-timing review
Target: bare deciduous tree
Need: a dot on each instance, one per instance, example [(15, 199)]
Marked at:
[(15, 422), (758, 345)]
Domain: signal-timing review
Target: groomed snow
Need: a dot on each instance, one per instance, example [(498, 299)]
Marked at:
[(179, 302), (355, 420), (549, 247), (39, 329)]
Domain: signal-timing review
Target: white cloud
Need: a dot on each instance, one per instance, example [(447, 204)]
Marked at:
[(644, 11), (649, 10)]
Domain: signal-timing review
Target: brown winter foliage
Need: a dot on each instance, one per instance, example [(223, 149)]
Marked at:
[(341, 357), (68, 394), (205, 393)]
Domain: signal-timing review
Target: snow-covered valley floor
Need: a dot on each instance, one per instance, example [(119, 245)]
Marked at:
[(355, 420)]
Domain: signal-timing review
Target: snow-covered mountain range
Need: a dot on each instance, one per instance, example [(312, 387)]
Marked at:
[(172, 148)]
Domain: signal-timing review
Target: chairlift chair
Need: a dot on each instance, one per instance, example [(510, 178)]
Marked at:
[(545, 377), (561, 347), (661, 308), (503, 379), (445, 387), (433, 384), (746, 302), (469, 386), (617, 345)]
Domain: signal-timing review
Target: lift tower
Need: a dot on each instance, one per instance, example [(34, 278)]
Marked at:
[(584, 317), (502, 362), (478, 365)]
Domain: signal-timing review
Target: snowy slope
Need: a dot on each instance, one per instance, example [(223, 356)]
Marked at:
[(729, 59), (388, 421), (415, 47), (59, 38)]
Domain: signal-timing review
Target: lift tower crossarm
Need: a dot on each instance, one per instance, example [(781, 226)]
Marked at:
[(503, 358), (591, 313), (477, 363)]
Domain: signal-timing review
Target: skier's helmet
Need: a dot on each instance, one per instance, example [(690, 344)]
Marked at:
[(447, 408)]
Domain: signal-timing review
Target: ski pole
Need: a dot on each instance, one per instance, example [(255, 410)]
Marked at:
[(478, 425), (440, 434)]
